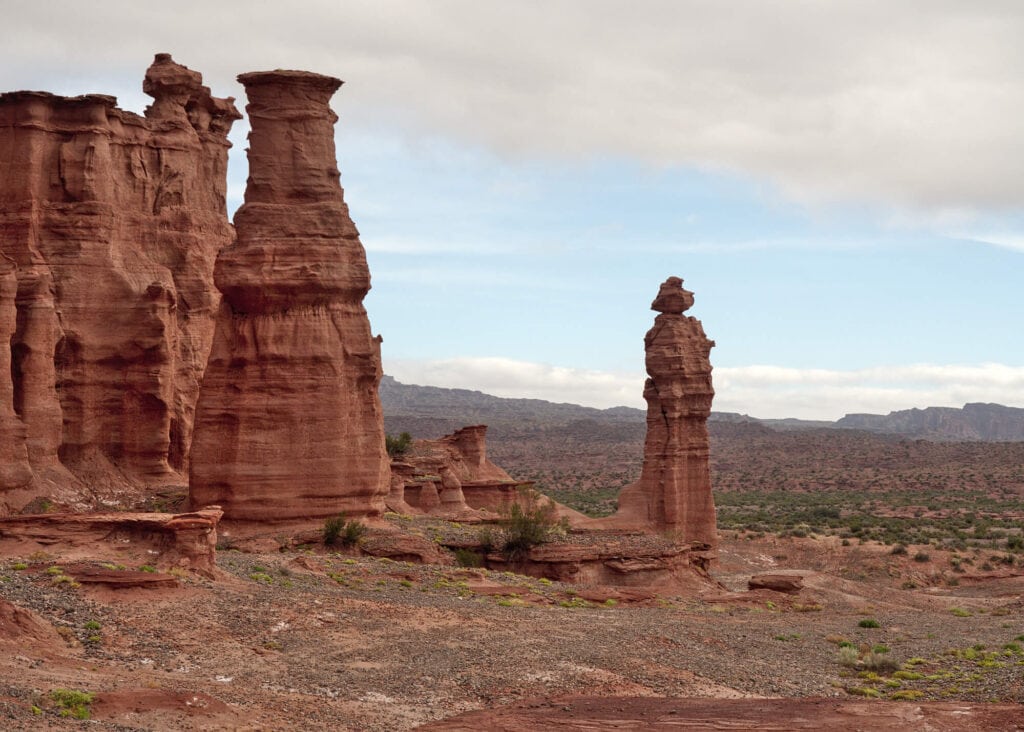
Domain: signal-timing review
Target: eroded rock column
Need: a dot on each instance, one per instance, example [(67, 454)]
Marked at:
[(113, 221), (289, 422), (674, 490)]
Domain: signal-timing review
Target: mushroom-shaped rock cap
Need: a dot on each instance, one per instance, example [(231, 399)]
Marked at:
[(672, 297)]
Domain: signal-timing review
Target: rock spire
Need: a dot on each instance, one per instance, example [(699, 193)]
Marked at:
[(289, 422), (674, 490)]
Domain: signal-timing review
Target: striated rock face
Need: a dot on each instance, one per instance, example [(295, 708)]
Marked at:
[(458, 463), (113, 222), (674, 490), (184, 540), (289, 422), (464, 453)]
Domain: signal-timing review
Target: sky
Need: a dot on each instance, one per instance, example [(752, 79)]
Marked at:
[(840, 183)]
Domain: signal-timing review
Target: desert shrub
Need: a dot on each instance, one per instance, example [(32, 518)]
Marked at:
[(848, 656), (72, 703), (908, 675), (397, 445), (869, 623), (529, 522), (864, 691), (879, 662), (906, 695), (489, 540), (960, 612), (899, 550), (339, 531), (468, 558), (921, 557)]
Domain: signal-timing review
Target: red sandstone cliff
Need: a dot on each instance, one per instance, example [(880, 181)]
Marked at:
[(674, 490), (113, 222), (289, 422)]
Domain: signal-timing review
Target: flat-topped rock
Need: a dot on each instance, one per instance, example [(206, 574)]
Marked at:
[(289, 423)]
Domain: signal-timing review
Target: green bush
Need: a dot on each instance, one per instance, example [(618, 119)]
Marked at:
[(339, 531), (468, 558), (72, 703), (398, 445), (869, 623), (529, 522)]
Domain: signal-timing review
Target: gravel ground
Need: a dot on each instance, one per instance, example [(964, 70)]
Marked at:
[(293, 640)]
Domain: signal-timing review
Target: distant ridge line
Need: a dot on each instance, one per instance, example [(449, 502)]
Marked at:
[(974, 422)]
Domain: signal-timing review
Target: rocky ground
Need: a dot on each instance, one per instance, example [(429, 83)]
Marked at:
[(303, 639)]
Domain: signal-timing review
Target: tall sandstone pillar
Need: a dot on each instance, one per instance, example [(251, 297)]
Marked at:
[(674, 490), (289, 422)]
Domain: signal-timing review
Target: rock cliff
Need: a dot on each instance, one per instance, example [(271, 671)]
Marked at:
[(674, 490), (112, 222), (289, 422)]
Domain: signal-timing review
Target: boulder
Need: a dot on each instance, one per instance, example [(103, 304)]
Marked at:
[(788, 583)]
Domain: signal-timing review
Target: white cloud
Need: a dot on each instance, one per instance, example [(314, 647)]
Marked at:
[(761, 391), (522, 379), (1006, 240), (914, 104)]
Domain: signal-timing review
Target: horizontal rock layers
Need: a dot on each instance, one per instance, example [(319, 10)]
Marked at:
[(289, 423), (674, 490), (109, 226), (185, 540)]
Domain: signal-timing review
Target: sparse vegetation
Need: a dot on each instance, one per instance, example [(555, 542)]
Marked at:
[(468, 558), (529, 522), (869, 623), (397, 445), (72, 703), (341, 531)]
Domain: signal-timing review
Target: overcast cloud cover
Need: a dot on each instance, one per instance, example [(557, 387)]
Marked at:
[(842, 183)]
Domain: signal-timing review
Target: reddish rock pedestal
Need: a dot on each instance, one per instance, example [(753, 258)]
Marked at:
[(289, 423), (674, 490)]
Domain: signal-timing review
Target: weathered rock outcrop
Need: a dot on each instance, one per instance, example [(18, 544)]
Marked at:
[(186, 540), (289, 423), (113, 222), (451, 477), (674, 490)]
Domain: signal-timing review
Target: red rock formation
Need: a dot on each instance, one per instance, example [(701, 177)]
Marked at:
[(674, 490), (113, 221), (789, 583), (289, 422), (186, 540)]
